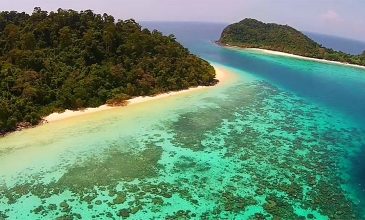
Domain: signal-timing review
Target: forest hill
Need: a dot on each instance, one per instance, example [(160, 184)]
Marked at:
[(51, 61)]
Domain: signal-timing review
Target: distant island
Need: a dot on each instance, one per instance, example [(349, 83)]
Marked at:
[(52, 61), (251, 33)]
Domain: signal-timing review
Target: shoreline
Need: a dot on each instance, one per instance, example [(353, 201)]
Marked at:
[(278, 53), (221, 75)]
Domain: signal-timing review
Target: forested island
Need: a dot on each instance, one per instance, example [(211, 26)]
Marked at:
[(51, 61), (251, 33)]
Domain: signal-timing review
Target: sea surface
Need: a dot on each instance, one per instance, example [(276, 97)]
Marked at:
[(351, 46), (283, 138)]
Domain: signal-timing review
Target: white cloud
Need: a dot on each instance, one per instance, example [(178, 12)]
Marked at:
[(330, 15)]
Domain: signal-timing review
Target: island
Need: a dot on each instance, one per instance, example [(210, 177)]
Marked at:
[(65, 59), (251, 33)]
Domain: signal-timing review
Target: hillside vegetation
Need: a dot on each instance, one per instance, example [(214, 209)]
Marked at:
[(251, 33), (70, 60)]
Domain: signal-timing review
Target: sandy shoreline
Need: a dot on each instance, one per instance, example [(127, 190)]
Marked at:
[(278, 53), (305, 58), (221, 75)]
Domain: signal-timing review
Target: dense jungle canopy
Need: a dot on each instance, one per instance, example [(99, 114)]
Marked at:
[(251, 33), (51, 61)]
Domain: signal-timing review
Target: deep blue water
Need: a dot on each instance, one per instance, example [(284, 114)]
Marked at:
[(335, 86), (281, 138), (346, 45), (338, 88)]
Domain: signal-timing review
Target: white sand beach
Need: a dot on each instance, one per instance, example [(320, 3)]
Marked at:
[(300, 57), (221, 75)]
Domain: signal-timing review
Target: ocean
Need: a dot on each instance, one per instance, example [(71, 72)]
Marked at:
[(283, 139), (351, 46)]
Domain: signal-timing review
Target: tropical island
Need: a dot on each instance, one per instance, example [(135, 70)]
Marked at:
[(251, 33), (52, 61)]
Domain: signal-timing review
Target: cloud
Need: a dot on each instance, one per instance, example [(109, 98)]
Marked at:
[(330, 15)]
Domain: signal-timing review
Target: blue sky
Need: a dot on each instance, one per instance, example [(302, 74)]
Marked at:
[(344, 18)]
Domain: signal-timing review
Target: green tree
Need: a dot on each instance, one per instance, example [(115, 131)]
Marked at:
[(69, 60), (28, 41), (251, 33)]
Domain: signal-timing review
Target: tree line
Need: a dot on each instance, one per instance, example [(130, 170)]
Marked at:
[(64, 59), (251, 33)]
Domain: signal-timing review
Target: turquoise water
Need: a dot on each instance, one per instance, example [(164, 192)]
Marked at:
[(282, 139)]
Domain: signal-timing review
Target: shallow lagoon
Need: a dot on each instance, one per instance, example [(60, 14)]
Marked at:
[(254, 148)]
